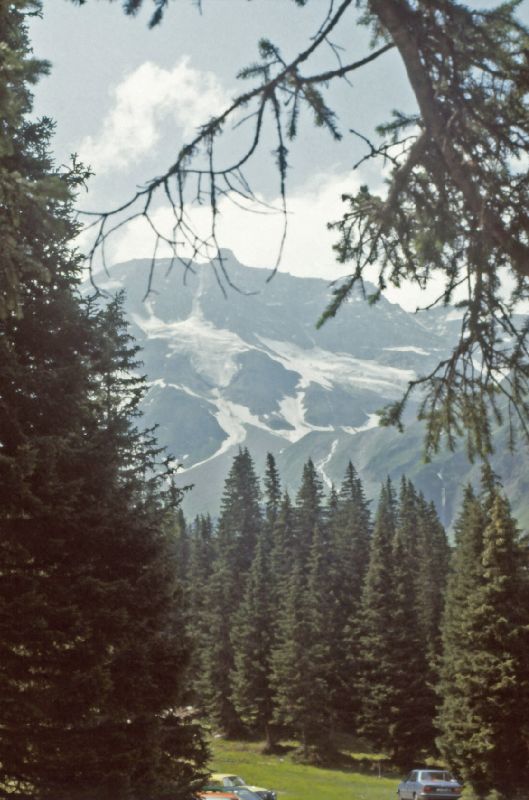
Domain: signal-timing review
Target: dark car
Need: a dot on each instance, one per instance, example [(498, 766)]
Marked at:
[(233, 782), (244, 793), (236, 792), (423, 783)]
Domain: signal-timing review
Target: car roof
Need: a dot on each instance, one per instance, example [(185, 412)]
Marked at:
[(429, 769), (220, 775), (224, 775)]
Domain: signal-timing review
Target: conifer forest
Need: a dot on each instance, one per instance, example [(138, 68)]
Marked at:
[(131, 635), (321, 614)]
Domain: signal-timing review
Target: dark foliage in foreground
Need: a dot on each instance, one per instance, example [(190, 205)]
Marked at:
[(92, 648)]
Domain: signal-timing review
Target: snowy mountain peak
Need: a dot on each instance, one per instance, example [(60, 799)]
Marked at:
[(252, 369)]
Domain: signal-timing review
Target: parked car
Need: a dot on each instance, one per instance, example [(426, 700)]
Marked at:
[(424, 783), (232, 782), (239, 792), (245, 793)]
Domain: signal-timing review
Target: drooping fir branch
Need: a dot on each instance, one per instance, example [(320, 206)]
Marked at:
[(281, 91)]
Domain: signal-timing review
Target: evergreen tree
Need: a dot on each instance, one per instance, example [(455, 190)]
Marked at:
[(272, 491), (350, 536), (182, 547), (302, 686), (300, 664), (201, 557), (252, 643), (283, 540), (291, 551), (35, 216), (465, 570), (289, 664), (309, 512), (433, 561), (93, 648), (281, 553), (332, 506), (239, 529), (320, 647), (240, 518), (410, 724), (377, 636), (484, 684), (213, 688)]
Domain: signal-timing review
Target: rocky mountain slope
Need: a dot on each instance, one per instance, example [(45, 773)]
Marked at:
[(252, 370)]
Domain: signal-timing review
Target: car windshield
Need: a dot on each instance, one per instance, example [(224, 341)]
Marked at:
[(436, 775), (235, 780)]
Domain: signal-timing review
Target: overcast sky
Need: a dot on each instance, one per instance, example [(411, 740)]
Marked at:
[(126, 98)]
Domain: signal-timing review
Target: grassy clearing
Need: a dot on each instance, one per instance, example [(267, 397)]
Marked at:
[(297, 781)]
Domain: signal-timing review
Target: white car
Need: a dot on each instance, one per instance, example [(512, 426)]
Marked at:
[(424, 783)]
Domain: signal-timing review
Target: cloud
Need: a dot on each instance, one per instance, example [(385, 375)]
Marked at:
[(254, 238), (142, 102)]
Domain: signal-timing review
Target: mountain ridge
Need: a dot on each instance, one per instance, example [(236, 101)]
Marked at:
[(252, 370)]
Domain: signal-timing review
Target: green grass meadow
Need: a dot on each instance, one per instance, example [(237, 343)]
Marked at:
[(295, 781)]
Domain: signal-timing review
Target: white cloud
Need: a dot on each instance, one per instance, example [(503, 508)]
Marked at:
[(142, 102), (254, 237)]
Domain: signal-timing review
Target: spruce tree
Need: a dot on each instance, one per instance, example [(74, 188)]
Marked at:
[(410, 724), (283, 539), (240, 518), (484, 684), (281, 553), (272, 485), (182, 546), (295, 559), (309, 512), (94, 652), (350, 534), (201, 558), (321, 651), (93, 647), (238, 531), (377, 634), (288, 661), (252, 642), (433, 562), (300, 661), (332, 505), (213, 688), (35, 218)]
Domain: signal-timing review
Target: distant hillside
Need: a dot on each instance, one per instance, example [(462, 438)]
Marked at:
[(252, 369)]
